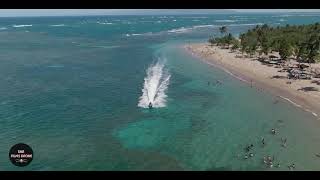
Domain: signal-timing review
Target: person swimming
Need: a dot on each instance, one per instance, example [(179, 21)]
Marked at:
[(292, 166), (268, 161), (246, 157), (218, 82), (248, 148), (273, 131), (284, 142), (263, 142), (265, 160), (270, 165)]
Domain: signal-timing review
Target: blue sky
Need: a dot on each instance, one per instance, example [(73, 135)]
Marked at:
[(73, 12)]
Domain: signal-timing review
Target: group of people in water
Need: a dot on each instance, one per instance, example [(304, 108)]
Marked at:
[(268, 160)]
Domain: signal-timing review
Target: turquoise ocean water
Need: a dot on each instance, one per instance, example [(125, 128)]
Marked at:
[(70, 88)]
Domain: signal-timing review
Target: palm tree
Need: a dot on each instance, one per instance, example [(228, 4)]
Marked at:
[(313, 47), (285, 49)]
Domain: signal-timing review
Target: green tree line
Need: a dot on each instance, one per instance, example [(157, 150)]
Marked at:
[(301, 42)]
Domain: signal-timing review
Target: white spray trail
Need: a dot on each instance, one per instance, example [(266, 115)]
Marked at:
[(155, 85)]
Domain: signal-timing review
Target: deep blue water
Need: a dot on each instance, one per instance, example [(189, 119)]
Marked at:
[(70, 88)]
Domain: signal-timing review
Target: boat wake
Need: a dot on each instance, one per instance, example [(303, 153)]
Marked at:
[(155, 86)]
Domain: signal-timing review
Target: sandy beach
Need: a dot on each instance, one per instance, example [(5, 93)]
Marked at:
[(261, 76)]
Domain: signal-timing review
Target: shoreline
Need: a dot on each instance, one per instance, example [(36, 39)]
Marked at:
[(252, 71)]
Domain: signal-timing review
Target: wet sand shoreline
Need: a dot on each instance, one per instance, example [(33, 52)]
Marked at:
[(248, 71)]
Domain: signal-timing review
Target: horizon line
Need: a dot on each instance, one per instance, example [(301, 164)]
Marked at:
[(158, 14)]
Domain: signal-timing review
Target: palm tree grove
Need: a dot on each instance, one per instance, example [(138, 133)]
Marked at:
[(300, 42)]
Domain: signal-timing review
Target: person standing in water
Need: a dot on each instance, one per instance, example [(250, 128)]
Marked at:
[(263, 142)]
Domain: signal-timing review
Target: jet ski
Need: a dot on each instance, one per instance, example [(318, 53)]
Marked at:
[(150, 105)]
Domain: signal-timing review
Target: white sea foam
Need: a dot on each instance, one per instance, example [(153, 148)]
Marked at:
[(155, 85), (108, 23), (195, 17), (179, 30), (204, 26), (188, 29), (3, 28), (107, 47), (22, 25), (57, 25), (225, 20), (253, 24), (289, 100), (282, 20), (137, 34), (298, 105)]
